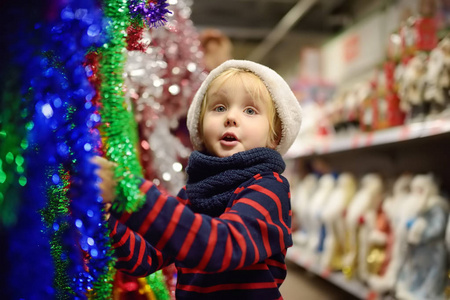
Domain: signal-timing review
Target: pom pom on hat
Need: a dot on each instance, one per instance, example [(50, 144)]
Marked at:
[(286, 104)]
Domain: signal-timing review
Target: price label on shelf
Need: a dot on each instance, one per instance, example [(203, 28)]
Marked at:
[(355, 141), (404, 133), (325, 273), (369, 139), (372, 295)]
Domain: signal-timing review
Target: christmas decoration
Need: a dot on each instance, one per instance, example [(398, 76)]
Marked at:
[(118, 125), (49, 195), (13, 141), (163, 71), (152, 12), (61, 140), (164, 68)]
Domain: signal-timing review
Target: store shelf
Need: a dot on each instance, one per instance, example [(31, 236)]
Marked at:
[(328, 145), (353, 287)]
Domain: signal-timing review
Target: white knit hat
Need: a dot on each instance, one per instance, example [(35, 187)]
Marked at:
[(286, 104)]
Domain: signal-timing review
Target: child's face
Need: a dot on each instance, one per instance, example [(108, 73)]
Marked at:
[(233, 121)]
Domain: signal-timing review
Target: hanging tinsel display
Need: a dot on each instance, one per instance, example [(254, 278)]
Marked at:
[(164, 69), (134, 38), (61, 140), (25, 228), (13, 141), (118, 126), (158, 286), (55, 218), (59, 244), (151, 12)]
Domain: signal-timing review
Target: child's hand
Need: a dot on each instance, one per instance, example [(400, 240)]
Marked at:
[(108, 182), (107, 207)]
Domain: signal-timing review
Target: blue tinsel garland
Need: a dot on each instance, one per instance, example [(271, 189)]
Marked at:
[(62, 133), (31, 269)]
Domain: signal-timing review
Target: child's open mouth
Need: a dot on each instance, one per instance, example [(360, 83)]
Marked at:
[(228, 139)]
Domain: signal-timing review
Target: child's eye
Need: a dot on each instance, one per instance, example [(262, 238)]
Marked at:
[(220, 108), (250, 111)]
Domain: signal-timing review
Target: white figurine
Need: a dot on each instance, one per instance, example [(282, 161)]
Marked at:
[(412, 89), (393, 243), (366, 201), (318, 203), (301, 200), (438, 79), (447, 244), (316, 126), (332, 217), (423, 274)]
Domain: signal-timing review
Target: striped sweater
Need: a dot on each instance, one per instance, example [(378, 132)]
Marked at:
[(237, 255)]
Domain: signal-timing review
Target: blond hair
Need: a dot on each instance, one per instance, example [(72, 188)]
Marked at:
[(256, 88)]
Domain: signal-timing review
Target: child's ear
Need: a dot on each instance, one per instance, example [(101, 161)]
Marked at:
[(274, 143)]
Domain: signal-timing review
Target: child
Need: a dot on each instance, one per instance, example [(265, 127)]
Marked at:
[(228, 229)]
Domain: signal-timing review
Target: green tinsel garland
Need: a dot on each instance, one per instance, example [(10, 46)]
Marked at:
[(61, 280), (119, 127), (118, 124), (53, 216), (103, 287), (14, 123), (157, 283)]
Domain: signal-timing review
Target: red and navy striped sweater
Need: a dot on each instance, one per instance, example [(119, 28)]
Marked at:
[(238, 255)]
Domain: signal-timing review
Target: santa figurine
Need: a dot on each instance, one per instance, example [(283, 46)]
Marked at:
[(437, 92), (366, 200), (412, 89), (386, 238), (316, 228), (332, 217), (301, 200), (423, 272), (447, 243)]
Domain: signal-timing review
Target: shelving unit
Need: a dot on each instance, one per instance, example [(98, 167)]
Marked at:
[(417, 148), (353, 287), (368, 139)]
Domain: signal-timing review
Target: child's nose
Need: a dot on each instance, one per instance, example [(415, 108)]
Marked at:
[(230, 122), (231, 119)]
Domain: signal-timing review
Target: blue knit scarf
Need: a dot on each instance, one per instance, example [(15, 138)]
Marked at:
[(212, 180)]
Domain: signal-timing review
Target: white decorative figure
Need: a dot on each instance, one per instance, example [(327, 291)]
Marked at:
[(315, 226), (301, 199), (309, 130), (412, 89), (366, 201), (373, 195), (438, 79), (423, 274), (332, 217), (393, 243), (447, 244)]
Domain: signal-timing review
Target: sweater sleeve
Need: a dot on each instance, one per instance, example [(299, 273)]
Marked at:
[(135, 256), (253, 228)]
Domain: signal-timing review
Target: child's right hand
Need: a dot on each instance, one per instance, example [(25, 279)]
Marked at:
[(107, 207), (108, 182)]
